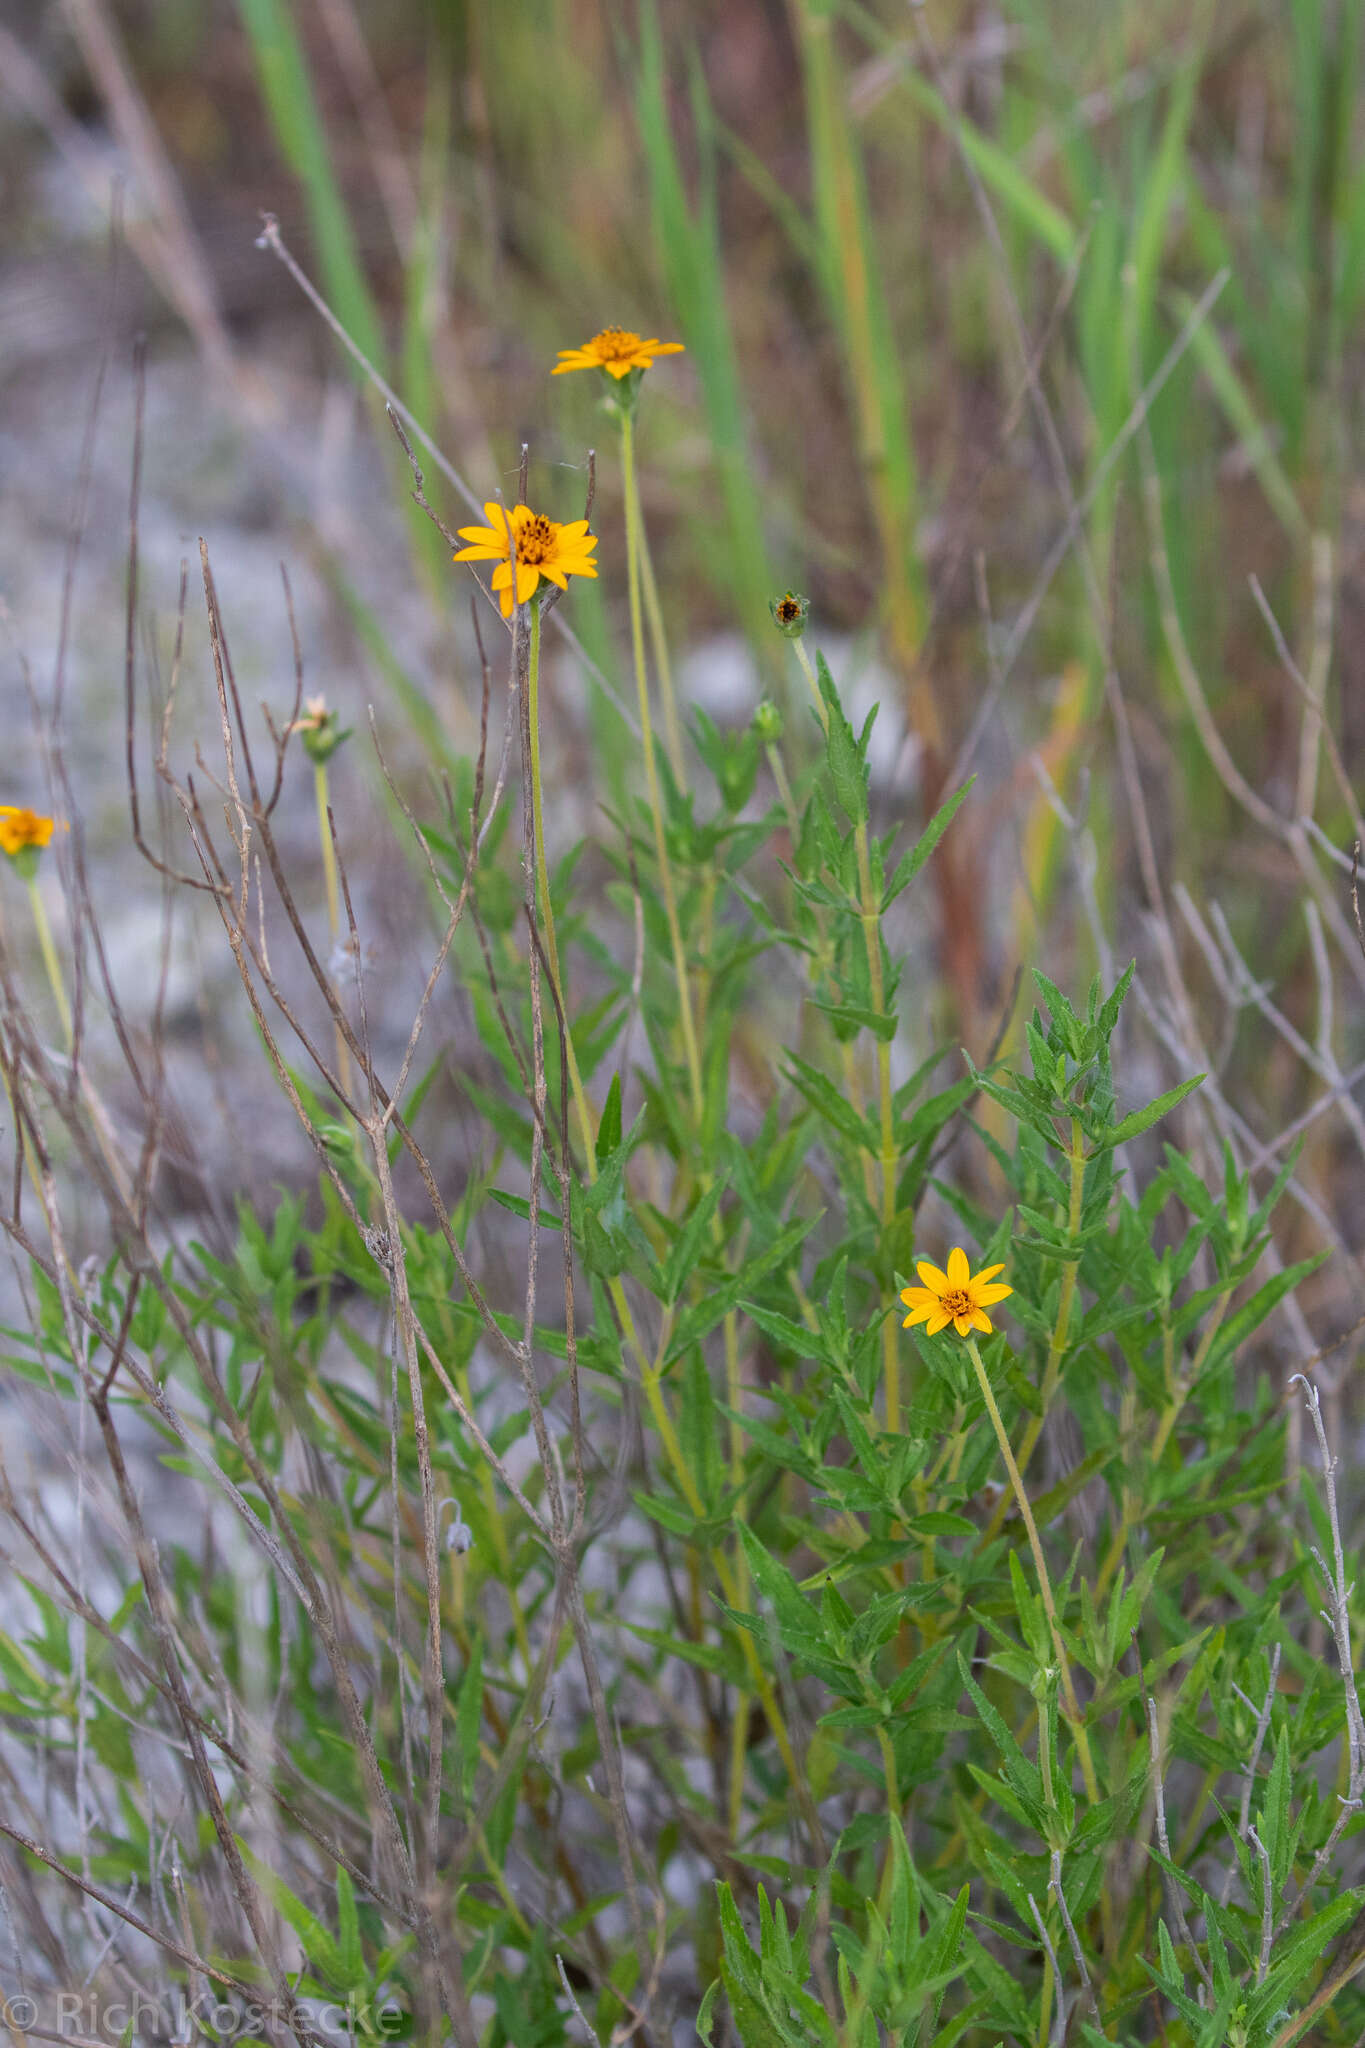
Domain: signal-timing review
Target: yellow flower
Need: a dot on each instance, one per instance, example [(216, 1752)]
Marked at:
[(543, 548), (19, 828), (959, 1296), (615, 350)]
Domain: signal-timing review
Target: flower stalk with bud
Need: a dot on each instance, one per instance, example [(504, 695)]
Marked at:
[(321, 733), (23, 836)]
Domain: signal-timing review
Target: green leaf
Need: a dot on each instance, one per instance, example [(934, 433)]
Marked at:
[(1253, 1313), (1275, 1830), (881, 1026), (793, 1336), (704, 1315), (798, 1621), (320, 1951), (348, 1928), (1142, 1119), (687, 1244), (847, 769), (834, 1107), (609, 1130), (469, 1718), (910, 862)]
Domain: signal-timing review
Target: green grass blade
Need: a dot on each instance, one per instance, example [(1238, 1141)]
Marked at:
[(1000, 174), (689, 245), (287, 90)]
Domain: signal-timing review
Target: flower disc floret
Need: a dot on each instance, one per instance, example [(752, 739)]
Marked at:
[(957, 1296), (541, 546), (617, 351)]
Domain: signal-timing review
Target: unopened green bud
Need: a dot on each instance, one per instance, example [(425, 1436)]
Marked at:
[(768, 722)]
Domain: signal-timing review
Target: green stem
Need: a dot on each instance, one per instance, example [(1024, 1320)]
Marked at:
[(50, 961), (1072, 1704), (637, 641), (1056, 1350), (658, 641), (870, 918), (547, 914), (1177, 1394), (329, 875)]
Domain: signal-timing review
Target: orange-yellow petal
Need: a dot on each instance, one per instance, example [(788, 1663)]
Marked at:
[(959, 1272), (937, 1321), (484, 546), (984, 1296), (933, 1279)]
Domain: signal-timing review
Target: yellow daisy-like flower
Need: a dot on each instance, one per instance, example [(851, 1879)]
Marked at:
[(959, 1296), (543, 548), (21, 828), (615, 350)]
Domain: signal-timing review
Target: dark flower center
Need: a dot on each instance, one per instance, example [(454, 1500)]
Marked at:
[(535, 542), (957, 1302)]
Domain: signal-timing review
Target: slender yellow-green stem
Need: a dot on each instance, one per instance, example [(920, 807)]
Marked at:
[(547, 915), (1072, 1704), (1056, 1350), (649, 590), (1177, 1393), (637, 642), (329, 874), (98, 1114), (663, 666), (893, 1819), (824, 960), (870, 919), (852, 2031), (50, 961)]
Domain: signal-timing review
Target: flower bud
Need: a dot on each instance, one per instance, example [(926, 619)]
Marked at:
[(790, 614), (319, 730), (768, 722)]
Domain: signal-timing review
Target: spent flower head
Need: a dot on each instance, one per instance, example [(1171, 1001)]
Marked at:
[(957, 1296), (790, 614), (319, 730), (542, 546)]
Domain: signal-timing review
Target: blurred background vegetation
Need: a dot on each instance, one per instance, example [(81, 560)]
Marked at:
[(925, 263), (1023, 337)]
